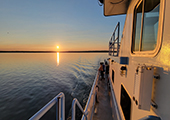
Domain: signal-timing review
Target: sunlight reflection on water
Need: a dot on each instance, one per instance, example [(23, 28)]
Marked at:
[(29, 81), (58, 58)]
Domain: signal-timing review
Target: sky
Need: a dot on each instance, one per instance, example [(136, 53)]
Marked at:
[(33, 25)]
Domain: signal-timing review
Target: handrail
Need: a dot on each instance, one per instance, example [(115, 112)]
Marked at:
[(93, 93), (61, 108), (118, 116), (60, 99), (112, 42), (116, 27), (74, 103)]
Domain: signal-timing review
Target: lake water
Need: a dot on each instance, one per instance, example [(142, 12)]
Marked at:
[(30, 80)]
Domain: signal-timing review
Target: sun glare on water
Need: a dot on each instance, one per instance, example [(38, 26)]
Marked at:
[(57, 55)]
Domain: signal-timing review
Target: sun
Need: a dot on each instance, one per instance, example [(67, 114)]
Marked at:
[(57, 47)]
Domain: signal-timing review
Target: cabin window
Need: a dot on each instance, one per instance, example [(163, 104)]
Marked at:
[(113, 75), (146, 20), (125, 103)]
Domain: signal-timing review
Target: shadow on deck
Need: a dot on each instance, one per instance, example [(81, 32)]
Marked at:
[(103, 110)]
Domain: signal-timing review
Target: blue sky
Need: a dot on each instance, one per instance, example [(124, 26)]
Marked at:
[(44, 24)]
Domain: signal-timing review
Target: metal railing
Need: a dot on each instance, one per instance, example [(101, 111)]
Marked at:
[(116, 113), (89, 108), (74, 103), (60, 108), (114, 41)]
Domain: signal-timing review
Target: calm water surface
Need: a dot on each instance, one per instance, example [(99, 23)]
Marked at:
[(30, 80)]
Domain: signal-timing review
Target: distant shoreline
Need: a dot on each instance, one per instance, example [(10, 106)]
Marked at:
[(90, 51)]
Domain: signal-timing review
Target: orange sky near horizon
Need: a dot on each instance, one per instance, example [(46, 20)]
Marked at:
[(62, 47), (42, 25)]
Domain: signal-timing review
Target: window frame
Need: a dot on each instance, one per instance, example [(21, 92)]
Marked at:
[(154, 52)]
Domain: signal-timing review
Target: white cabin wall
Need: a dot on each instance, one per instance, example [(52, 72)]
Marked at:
[(125, 47), (161, 91), (163, 58), (128, 80), (117, 81), (161, 63)]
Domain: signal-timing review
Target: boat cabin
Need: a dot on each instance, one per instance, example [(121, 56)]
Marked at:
[(139, 59)]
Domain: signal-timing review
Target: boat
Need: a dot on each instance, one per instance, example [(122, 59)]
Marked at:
[(139, 66)]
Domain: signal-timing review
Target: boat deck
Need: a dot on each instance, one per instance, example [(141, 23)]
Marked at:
[(103, 109)]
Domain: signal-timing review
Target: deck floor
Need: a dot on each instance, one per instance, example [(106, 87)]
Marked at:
[(103, 109)]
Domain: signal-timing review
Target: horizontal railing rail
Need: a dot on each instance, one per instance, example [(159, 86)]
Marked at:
[(92, 99), (60, 112)]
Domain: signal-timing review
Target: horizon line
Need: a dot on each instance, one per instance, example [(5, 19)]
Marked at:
[(82, 51)]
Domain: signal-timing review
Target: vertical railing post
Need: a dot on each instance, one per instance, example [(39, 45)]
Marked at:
[(60, 108), (73, 109), (57, 109), (110, 46), (113, 43), (63, 107), (118, 38)]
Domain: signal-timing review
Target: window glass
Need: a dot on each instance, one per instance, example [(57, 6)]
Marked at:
[(138, 27), (148, 24), (150, 28)]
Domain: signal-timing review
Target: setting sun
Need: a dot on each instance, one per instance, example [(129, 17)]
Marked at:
[(57, 47)]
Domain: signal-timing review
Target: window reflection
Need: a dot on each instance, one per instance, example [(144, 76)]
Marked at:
[(146, 25), (150, 29)]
